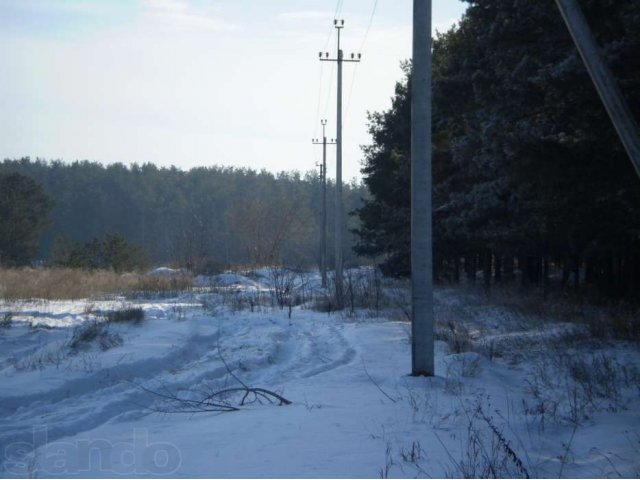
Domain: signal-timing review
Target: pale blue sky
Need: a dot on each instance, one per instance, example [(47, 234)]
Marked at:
[(195, 82)]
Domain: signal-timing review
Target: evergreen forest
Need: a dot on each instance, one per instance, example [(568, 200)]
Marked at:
[(205, 219), (529, 174)]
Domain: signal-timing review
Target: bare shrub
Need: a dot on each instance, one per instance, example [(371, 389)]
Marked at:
[(365, 288), (568, 388), (93, 331), (179, 312), (452, 383), (54, 355), (126, 315), (411, 458), (303, 292), (323, 303), (234, 298), (456, 335), (6, 320), (471, 366), (383, 472), (413, 454), (486, 452), (601, 380), (283, 282)]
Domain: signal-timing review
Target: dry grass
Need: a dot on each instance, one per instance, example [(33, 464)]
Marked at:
[(618, 320), (71, 284)]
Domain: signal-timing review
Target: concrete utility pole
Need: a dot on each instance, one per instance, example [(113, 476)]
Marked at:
[(323, 179), (339, 25), (601, 75), (422, 351)]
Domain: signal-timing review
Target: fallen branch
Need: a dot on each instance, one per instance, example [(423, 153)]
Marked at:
[(224, 400), (218, 401), (258, 395), (177, 404)]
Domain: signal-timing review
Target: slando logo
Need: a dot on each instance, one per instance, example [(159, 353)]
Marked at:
[(138, 457)]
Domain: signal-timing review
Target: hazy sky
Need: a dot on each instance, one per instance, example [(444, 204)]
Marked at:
[(195, 82)]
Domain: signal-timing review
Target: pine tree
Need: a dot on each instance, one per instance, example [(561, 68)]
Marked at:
[(24, 208), (526, 163)]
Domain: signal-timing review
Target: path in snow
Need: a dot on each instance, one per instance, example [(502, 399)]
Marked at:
[(355, 412), (185, 355)]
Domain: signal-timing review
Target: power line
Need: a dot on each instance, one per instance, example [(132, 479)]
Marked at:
[(364, 40), (315, 132), (337, 11), (353, 81), (326, 105), (366, 34)]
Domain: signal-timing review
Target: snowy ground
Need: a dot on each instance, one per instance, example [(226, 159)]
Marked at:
[(525, 395)]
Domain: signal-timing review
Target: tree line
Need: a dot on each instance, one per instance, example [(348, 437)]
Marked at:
[(204, 219), (529, 174)]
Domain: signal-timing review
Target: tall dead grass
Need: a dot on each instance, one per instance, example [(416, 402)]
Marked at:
[(72, 284), (618, 320)]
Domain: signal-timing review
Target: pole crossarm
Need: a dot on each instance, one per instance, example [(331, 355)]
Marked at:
[(343, 60), (317, 141)]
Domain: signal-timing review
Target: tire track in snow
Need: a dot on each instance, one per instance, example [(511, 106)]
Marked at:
[(83, 404), (87, 402), (301, 350), (329, 356)]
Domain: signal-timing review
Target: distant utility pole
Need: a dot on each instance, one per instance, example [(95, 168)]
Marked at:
[(605, 82), (323, 179), (422, 351), (339, 25)]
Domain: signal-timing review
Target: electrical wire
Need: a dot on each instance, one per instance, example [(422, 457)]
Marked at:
[(317, 118), (329, 90), (337, 11), (364, 40), (366, 33)]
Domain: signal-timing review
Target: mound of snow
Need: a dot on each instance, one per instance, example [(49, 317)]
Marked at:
[(233, 280), (202, 281), (165, 272)]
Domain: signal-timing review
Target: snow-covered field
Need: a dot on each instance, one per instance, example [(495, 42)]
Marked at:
[(524, 396)]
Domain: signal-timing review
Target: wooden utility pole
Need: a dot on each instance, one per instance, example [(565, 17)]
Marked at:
[(339, 25), (422, 341), (323, 179), (603, 79)]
